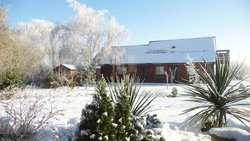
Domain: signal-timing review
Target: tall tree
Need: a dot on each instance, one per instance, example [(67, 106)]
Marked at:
[(78, 39), (15, 53), (193, 76), (243, 71), (38, 33), (94, 30)]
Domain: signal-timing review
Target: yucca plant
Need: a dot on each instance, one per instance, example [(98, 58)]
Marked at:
[(140, 101), (217, 97)]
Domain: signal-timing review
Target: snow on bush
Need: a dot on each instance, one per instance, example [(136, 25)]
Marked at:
[(149, 128), (24, 118), (174, 92), (191, 70), (167, 109)]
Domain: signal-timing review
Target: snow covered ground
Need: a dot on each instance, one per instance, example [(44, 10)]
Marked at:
[(71, 101)]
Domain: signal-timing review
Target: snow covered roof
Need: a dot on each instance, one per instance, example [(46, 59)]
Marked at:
[(166, 51), (72, 67)]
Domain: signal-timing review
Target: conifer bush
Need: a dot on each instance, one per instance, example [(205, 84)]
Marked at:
[(97, 117), (107, 120), (10, 80), (123, 118)]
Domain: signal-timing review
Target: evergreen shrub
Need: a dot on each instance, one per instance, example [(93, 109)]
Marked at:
[(11, 80), (109, 120), (97, 118)]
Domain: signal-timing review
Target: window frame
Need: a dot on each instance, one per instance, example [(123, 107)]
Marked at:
[(121, 70), (159, 70)]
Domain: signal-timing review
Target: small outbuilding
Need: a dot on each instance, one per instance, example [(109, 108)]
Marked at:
[(66, 69)]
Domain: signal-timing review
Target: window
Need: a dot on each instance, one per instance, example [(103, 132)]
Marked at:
[(159, 70), (121, 70), (132, 68)]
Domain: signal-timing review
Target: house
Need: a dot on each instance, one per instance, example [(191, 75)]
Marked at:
[(66, 70), (154, 61)]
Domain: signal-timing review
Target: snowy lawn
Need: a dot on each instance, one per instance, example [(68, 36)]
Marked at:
[(168, 109)]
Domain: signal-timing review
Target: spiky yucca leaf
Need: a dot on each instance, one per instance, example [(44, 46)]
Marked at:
[(140, 101), (219, 99)]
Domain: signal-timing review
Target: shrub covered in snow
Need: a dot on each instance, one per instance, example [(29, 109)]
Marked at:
[(174, 92), (87, 74), (25, 118), (107, 120), (149, 128), (193, 76), (123, 118), (97, 118), (58, 80)]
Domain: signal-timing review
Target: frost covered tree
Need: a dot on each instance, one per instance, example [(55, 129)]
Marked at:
[(15, 55), (93, 32), (172, 74), (243, 71), (76, 40), (51, 39), (193, 76), (97, 117)]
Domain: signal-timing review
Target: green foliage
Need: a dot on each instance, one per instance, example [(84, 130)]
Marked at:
[(174, 92), (106, 120), (87, 74), (217, 97), (123, 118), (47, 80), (208, 125), (97, 118), (10, 80), (57, 80), (139, 101), (106, 113)]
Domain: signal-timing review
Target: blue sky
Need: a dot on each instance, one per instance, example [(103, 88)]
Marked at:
[(228, 20)]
